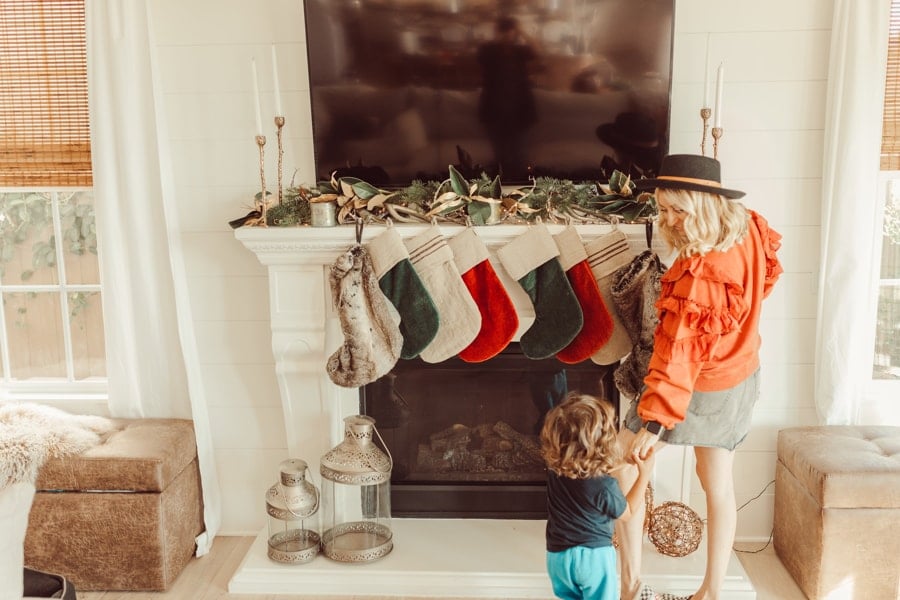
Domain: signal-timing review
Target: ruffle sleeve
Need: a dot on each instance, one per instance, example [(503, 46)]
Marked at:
[(700, 301), (771, 243)]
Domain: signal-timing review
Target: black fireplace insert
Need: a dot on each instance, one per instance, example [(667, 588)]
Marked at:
[(464, 436)]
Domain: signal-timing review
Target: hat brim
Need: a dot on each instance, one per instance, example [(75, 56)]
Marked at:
[(674, 184)]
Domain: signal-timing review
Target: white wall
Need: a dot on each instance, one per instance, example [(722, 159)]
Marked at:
[(775, 55)]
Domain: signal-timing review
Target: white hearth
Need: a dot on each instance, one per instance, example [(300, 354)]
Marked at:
[(431, 557)]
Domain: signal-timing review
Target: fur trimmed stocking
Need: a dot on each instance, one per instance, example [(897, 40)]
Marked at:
[(598, 324), (635, 293), (398, 280), (606, 254), (531, 259), (499, 320), (460, 319), (372, 339)]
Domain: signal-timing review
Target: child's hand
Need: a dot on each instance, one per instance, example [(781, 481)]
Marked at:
[(645, 464)]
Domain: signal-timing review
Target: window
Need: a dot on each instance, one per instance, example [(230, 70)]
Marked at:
[(886, 364), (51, 323)]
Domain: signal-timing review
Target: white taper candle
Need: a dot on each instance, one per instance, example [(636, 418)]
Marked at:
[(720, 80), (706, 76), (278, 111), (259, 127)]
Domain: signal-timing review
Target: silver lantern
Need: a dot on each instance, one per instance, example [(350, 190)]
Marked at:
[(291, 508), (356, 495)]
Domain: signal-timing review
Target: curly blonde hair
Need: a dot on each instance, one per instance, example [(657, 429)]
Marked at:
[(711, 222), (578, 439)]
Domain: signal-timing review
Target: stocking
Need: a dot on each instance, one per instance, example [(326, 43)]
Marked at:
[(459, 317), (372, 340), (635, 292), (531, 259), (401, 284), (499, 320), (606, 254), (598, 324)]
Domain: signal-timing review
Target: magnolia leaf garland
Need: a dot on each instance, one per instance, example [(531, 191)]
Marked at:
[(479, 201)]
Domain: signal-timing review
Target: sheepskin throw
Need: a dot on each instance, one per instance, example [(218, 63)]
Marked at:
[(32, 433)]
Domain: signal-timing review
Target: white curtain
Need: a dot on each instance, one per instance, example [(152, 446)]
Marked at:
[(855, 97), (152, 360)]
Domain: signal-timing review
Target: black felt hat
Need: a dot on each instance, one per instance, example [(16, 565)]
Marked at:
[(689, 172)]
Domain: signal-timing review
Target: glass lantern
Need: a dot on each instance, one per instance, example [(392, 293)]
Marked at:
[(356, 495), (291, 507)]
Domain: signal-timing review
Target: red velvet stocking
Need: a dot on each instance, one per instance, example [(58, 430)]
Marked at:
[(598, 322), (499, 320)]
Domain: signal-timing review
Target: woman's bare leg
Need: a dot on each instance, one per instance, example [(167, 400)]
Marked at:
[(715, 470), (630, 533)]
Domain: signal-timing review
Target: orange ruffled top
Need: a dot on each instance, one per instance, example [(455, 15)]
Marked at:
[(708, 335)]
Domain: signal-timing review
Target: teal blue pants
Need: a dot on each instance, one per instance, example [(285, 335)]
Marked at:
[(581, 573)]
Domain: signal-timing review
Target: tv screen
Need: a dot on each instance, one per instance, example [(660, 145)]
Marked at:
[(402, 89)]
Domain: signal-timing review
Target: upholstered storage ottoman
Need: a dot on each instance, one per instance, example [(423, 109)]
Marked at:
[(122, 515), (837, 510)]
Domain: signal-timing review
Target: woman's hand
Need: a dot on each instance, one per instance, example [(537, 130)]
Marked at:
[(643, 443)]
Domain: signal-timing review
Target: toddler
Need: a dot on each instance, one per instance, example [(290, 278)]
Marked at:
[(579, 446)]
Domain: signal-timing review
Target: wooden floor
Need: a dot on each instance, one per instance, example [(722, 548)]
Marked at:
[(207, 578)]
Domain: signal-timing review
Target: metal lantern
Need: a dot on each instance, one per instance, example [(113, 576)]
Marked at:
[(291, 506), (356, 495)]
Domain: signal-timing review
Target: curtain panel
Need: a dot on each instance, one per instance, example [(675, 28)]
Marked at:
[(853, 111), (153, 366)]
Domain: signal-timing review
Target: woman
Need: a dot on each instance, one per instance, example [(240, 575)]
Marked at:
[(703, 376)]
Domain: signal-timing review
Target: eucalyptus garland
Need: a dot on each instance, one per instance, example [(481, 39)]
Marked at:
[(481, 201)]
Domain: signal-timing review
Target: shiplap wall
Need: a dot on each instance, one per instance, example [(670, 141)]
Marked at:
[(775, 56)]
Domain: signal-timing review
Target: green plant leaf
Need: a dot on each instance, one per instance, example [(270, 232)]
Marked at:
[(365, 190), (496, 190), (458, 182), (479, 212)]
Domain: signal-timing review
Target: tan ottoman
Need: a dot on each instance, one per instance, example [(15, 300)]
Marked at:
[(837, 510), (122, 515)]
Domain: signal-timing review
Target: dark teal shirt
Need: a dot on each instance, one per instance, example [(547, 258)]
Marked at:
[(581, 512)]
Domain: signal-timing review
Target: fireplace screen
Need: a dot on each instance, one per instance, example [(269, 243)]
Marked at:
[(464, 436)]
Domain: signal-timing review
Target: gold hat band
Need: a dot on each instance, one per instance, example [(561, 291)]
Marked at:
[(708, 182)]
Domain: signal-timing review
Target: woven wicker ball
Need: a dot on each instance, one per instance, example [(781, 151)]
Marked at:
[(674, 528)]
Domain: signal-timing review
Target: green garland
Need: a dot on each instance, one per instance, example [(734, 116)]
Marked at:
[(481, 201)]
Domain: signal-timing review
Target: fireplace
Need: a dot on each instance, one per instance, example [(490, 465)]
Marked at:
[(457, 557), (464, 437)]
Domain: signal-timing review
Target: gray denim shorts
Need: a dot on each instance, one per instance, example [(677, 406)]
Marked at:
[(718, 419)]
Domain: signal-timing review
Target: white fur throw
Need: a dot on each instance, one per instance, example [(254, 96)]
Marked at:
[(31, 433)]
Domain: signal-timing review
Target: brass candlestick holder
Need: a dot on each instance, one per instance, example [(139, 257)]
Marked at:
[(263, 203), (279, 124), (705, 114), (717, 133)]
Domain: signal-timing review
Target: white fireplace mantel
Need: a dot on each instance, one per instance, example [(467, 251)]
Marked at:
[(440, 557), (306, 330)]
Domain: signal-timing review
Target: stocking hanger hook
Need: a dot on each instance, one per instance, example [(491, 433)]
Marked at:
[(359, 229)]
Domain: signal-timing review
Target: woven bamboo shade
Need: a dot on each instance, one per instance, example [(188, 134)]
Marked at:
[(890, 129), (44, 123)]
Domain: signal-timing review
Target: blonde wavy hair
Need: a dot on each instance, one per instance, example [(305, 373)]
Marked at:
[(578, 439), (711, 222)]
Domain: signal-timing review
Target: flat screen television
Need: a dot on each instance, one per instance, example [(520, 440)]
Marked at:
[(402, 89)]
